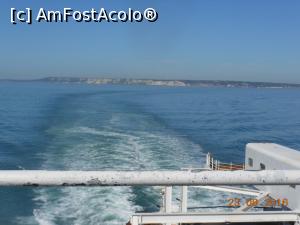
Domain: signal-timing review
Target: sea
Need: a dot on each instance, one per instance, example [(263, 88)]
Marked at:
[(56, 126)]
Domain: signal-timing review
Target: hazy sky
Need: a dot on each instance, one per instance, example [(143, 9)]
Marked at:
[(225, 40)]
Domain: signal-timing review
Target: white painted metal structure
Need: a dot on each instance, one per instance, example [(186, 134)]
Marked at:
[(268, 156), (151, 178), (280, 174), (214, 218), (263, 157)]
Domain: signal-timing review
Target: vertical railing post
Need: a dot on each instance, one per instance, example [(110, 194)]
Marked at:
[(168, 199), (134, 220), (208, 160), (183, 207), (215, 166)]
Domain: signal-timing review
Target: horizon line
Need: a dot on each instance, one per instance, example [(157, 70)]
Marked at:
[(155, 79)]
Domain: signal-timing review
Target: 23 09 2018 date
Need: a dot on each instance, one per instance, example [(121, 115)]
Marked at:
[(252, 202)]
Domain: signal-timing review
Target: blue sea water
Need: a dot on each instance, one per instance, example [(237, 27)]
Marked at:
[(84, 127)]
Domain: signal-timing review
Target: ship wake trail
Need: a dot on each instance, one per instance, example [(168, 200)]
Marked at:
[(79, 205), (115, 145)]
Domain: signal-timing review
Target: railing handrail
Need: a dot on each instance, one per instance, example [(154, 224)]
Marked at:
[(229, 164), (150, 178), (217, 165)]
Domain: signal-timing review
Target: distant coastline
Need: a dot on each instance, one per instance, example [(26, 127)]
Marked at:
[(168, 83)]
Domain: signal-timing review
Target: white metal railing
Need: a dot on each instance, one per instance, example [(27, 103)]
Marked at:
[(150, 178), (163, 178), (214, 164), (215, 218), (167, 196)]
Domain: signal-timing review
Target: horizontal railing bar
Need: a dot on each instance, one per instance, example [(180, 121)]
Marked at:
[(228, 164), (222, 166), (150, 178), (161, 218), (230, 189)]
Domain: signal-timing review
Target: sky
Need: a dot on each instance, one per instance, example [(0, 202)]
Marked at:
[(246, 40)]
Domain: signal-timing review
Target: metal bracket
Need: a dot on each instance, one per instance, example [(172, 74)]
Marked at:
[(246, 207)]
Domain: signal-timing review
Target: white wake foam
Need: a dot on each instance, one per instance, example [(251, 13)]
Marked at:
[(86, 148)]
